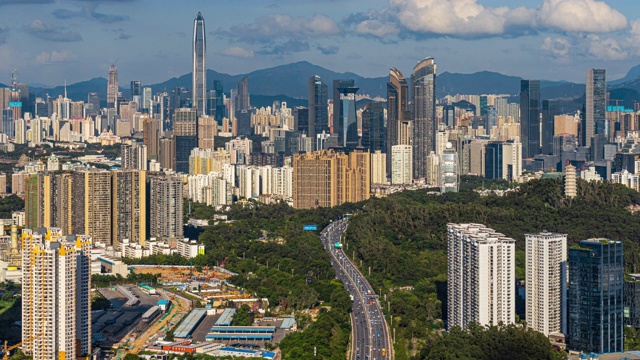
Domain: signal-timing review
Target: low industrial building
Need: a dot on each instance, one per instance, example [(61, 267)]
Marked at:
[(189, 324)]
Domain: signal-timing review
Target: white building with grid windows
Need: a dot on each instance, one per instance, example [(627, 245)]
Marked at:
[(481, 276)]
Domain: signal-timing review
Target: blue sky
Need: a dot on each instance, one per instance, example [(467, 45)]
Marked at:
[(50, 41)]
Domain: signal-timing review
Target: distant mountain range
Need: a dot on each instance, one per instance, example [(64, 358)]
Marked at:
[(290, 83)]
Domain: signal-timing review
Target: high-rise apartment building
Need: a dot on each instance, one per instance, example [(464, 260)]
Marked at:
[(199, 69), (530, 118), (328, 178), (91, 204), (207, 128), (481, 276), (402, 164), (128, 207), (151, 137), (112, 87), (378, 167), (595, 297), (185, 132), (374, 133), (423, 86), (546, 274), (397, 110), (134, 156), (503, 159), (56, 306), (596, 104), (318, 111), (167, 155), (165, 206)]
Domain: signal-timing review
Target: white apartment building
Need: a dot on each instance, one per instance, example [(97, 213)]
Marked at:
[(189, 248), (56, 307), (546, 274), (627, 179), (401, 165), (481, 276), (378, 167)]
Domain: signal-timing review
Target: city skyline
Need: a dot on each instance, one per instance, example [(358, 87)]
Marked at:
[(50, 41)]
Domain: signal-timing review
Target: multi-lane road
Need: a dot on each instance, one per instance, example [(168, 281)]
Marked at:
[(370, 335)]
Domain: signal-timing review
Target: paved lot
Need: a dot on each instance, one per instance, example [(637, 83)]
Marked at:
[(205, 327)]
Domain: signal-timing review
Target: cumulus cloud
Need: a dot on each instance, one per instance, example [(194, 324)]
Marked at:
[(470, 19), (589, 16), (558, 47), (238, 52), (278, 26), (635, 31), (606, 49), (51, 33), (54, 57)]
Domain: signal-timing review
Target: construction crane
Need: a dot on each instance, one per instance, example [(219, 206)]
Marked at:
[(223, 262), (7, 349)]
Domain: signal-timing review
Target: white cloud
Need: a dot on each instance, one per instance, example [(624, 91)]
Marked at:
[(580, 16), (54, 57), (470, 19), (377, 28), (279, 26), (454, 17), (605, 49), (635, 31), (558, 47), (237, 51)]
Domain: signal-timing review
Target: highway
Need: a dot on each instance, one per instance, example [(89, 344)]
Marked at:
[(370, 334)]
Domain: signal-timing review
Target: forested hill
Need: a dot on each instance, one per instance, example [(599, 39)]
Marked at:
[(403, 239)]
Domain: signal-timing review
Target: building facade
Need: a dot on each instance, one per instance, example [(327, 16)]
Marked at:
[(328, 178), (56, 306), (481, 276), (546, 274), (423, 86), (530, 118), (595, 297)]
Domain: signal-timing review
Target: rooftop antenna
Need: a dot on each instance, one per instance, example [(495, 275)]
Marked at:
[(14, 77), (65, 88)]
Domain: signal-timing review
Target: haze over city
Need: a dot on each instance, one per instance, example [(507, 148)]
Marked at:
[(50, 41)]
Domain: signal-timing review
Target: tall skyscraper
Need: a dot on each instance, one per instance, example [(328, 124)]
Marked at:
[(530, 118), (199, 70), (550, 108), (345, 122), (595, 105), (397, 109), (215, 104), (481, 276), (546, 274), (185, 131), (318, 108), (374, 133), (112, 86), (596, 307), (56, 306), (423, 86), (243, 102), (165, 206)]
